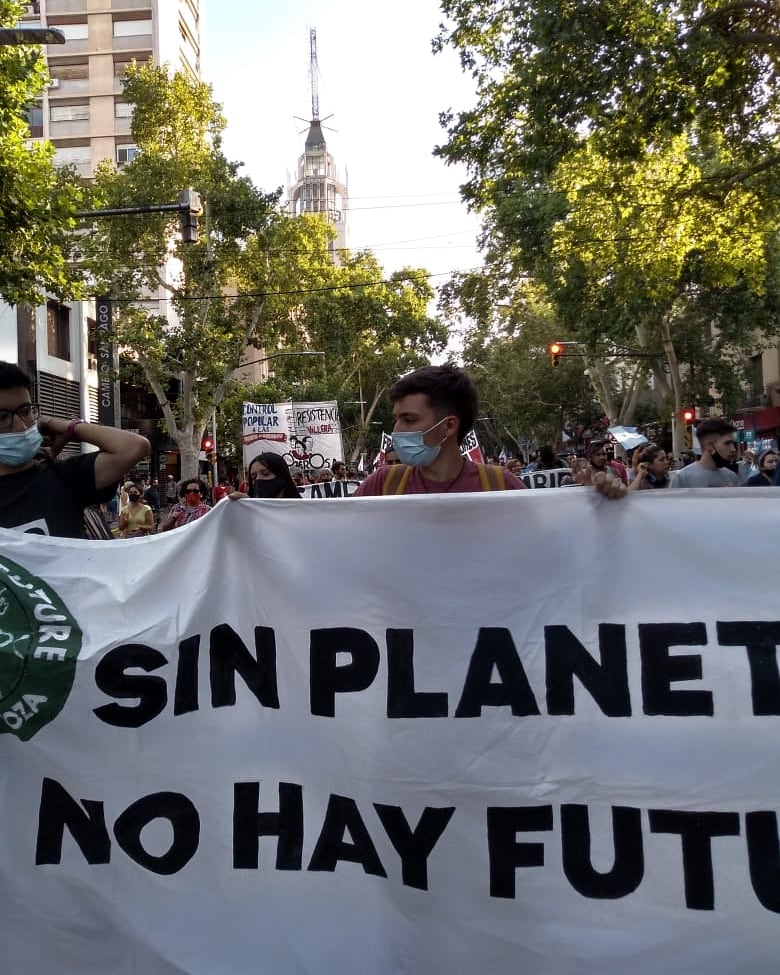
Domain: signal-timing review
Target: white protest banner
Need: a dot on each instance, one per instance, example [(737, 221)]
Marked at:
[(496, 742), (329, 489), (546, 479), (307, 435)]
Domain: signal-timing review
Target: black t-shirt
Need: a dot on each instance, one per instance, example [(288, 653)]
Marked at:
[(51, 500)]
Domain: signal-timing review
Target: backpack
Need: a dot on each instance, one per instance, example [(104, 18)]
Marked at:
[(398, 478)]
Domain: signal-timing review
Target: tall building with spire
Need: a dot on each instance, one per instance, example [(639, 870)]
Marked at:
[(318, 188)]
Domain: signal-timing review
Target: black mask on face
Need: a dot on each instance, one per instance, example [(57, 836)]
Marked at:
[(134, 497), (267, 488), (719, 460)]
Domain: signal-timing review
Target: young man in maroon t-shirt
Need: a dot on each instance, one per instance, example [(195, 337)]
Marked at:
[(434, 408)]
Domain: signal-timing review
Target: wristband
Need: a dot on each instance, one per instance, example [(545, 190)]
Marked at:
[(71, 429)]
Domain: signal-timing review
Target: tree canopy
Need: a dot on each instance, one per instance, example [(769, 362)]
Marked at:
[(624, 154), (257, 277)]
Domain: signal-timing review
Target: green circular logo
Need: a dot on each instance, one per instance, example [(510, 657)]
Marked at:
[(39, 645)]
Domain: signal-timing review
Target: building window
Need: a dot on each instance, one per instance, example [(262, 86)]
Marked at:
[(123, 110), (69, 113), (74, 32), (72, 156), (132, 28), (126, 154), (35, 121), (58, 328)]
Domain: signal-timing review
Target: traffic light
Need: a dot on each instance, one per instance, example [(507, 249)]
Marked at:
[(207, 444), (555, 349), (189, 210), (688, 415)]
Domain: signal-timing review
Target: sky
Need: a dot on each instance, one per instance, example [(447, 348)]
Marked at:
[(384, 88)]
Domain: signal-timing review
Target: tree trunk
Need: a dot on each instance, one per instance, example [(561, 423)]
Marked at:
[(674, 377)]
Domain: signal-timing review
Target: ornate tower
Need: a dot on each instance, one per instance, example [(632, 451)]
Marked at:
[(317, 188)]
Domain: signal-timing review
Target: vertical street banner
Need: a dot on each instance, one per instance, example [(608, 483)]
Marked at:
[(457, 734), (108, 393), (307, 435)]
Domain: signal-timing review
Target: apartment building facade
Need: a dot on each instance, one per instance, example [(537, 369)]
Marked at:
[(83, 114)]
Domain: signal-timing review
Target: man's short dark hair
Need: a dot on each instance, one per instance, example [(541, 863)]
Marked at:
[(715, 427), (12, 377), (595, 446), (449, 390)]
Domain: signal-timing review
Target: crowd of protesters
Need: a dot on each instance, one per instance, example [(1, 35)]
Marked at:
[(434, 409)]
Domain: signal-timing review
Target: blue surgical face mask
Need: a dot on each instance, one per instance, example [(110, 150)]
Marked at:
[(412, 449), (20, 448)]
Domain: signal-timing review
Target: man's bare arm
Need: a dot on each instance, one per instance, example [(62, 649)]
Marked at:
[(118, 450)]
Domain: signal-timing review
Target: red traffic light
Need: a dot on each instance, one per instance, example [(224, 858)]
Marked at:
[(207, 444), (555, 349), (688, 415)]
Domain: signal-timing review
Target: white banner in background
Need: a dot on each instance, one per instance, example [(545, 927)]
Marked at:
[(307, 435), (551, 478), (511, 732)]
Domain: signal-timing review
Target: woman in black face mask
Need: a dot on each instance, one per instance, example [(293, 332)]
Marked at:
[(269, 477)]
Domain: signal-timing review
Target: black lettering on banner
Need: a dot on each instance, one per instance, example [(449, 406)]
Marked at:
[(185, 697), (495, 650), (228, 655), (403, 701), (760, 640), (342, 816), (764, 857), (606, 682), (505, 853), (152, 692), (660, 669), (249, 824), (86, 825), (696, 831), (327, 678), (629, 865), (414, 846), (185, 823)]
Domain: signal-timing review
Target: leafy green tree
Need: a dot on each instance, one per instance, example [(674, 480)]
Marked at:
[(187, 312), (631, 73), (623, 155), (258, 277), (37, 202), (524, 401), (371, 330)]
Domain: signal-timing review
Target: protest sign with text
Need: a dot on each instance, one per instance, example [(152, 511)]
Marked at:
[(307, 435)]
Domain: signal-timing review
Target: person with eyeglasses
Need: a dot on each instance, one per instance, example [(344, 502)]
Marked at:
[(191, 506), (50, 499)]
